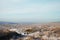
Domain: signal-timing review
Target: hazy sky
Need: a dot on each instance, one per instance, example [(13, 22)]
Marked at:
[(29, 10)]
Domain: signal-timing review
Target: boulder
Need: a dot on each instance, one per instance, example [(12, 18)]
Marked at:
[(7, 34), (35, 34)]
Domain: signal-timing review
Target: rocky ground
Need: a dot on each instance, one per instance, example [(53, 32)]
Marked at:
[(49, 31)]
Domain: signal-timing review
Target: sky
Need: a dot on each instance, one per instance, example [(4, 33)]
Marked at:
[(30, 10)]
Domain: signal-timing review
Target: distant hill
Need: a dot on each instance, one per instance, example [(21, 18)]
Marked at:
[(1, 22)]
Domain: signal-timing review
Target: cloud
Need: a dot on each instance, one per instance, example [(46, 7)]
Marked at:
[(19, 7), (32, 8), (19, 10), (12, 0)]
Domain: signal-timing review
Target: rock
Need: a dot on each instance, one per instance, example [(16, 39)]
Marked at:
[(14, 30), (56, 31), (31, 29), (52, 38), (6, 34), (28, 38), (35, 34), (44, 37), (47, 33)]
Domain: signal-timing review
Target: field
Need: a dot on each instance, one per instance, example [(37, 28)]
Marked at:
[(48, 31)]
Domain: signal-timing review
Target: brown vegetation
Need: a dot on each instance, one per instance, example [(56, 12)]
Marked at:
[(49, 31)]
